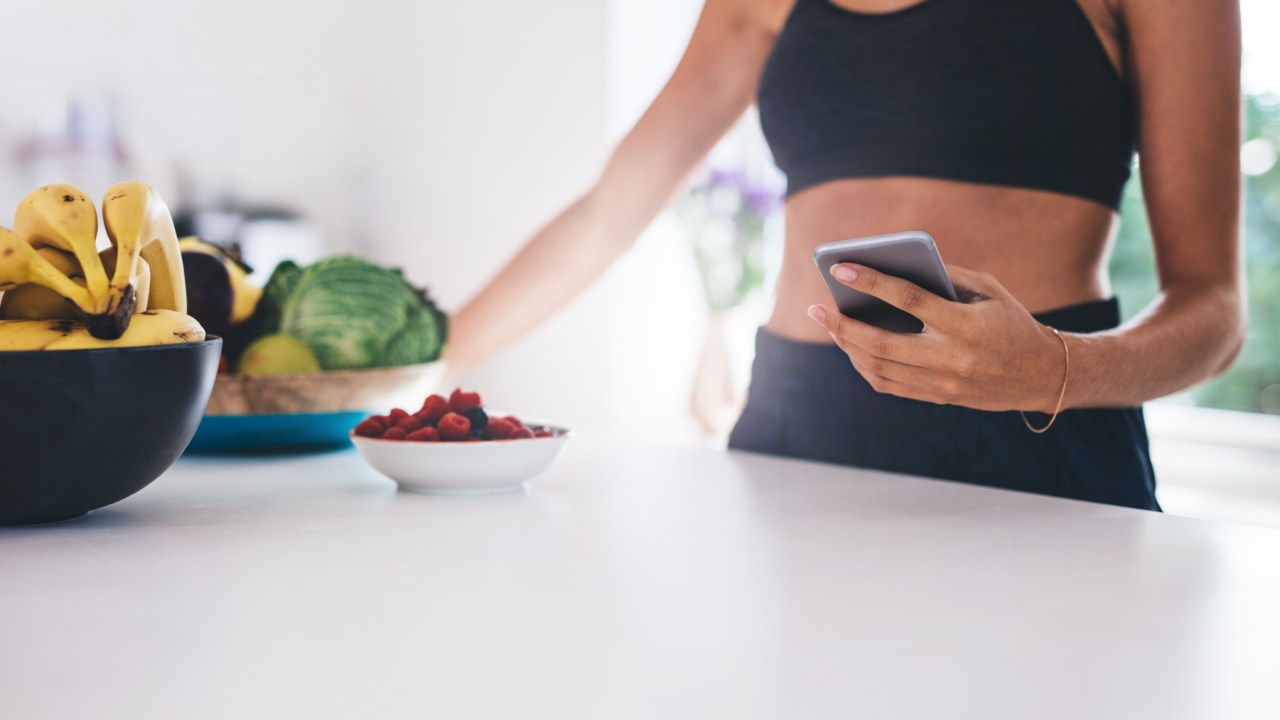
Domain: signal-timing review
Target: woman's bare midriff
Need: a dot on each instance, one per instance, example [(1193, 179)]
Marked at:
[(1048, 249)]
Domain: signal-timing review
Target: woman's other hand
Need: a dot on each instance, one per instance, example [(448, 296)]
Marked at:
[(985, 352)]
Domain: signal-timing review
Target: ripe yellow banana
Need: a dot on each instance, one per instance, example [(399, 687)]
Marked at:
[(65, 262), (18, 335), (62, 216), (21, 264), (33, 302), (68, 297), (144, 286), (142, 282), (139, 225), (159, 327), (153, 327)]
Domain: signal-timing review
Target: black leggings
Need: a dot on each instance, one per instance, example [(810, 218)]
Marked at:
[(806, 401)]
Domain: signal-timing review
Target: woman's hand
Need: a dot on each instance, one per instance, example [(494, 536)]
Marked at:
[(985, 352)]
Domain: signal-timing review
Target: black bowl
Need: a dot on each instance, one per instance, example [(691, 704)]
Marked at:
[(80, 429)]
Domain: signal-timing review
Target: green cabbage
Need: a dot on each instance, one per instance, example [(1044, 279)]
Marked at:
[(277, 290), (354, 314)]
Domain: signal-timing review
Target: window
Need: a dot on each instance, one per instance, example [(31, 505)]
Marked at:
[(1253, 383)]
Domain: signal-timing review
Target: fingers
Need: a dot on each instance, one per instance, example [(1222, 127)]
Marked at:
[(900, 389), (903, 379), (971, 278), (972, 286), (911, 349), (871, 366), (905, 295), (893, 363)]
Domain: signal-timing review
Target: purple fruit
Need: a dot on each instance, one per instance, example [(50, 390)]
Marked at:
[(210, 296)]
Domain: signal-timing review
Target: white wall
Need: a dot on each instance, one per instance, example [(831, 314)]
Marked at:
[(490, 116), (521, 119), (240, 94), (432, 135)]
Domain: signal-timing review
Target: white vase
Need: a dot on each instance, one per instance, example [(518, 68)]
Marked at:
[(715, 400)]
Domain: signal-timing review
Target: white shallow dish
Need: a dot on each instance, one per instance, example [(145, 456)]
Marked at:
[(463, 468)]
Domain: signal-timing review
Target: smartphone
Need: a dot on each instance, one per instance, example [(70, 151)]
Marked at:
[(909, 255)]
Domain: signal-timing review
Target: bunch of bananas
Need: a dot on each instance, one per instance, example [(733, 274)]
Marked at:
[(58, 292)]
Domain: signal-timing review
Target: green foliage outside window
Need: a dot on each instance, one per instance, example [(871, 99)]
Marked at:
[(1253, 383)]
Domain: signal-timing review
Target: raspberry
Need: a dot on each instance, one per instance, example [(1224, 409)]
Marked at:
[(473, 438), (395, 433), (397, 414), (514, 421), (410, 423), (523, 433), (543, 433), (371, 427), (433, 409), (426, 434), (460, 402), (499, 429), (454, 427)]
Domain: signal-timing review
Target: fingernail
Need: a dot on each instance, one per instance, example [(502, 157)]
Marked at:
[(844, 273), (818, 314)]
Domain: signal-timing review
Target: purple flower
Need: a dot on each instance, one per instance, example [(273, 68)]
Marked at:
[(754, 199), (762, 202), (732, 178)]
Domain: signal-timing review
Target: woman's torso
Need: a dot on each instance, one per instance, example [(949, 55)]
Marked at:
[(1048, 248)]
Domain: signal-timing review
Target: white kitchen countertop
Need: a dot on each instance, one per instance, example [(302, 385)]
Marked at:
[(631, 582)]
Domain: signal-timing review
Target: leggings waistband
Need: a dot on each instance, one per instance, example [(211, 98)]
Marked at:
[(1084, 317), (1092, 316)]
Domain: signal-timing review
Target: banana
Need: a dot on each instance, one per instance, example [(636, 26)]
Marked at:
[(58, 293), (158, 327), (153, 327), (65, 262), (62, 216), (144, 286), (21, 264), (142, 282), (19, 335), (33, 302), (139, 225)]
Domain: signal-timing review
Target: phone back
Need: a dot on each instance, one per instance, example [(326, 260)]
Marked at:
[(910, 255)]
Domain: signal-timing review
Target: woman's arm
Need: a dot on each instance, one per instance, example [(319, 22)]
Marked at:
[(1184, 58), (989, 353), (711, 87)]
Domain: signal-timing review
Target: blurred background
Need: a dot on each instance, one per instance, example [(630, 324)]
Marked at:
[(437, 136)]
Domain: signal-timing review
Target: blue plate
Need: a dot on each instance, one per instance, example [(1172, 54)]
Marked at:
[(275, 433)]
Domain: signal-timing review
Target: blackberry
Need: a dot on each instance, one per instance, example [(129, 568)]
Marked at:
[(478, 417)]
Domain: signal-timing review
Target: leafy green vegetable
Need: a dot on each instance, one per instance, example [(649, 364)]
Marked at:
[(266, 316), (421, 337), (278, 289), (355, 314)]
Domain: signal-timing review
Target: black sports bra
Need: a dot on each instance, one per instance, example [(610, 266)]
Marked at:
[(1006, 92)]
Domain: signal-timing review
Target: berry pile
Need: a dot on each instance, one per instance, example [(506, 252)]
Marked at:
[(459, 418)]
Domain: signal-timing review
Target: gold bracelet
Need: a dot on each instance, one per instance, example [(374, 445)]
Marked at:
[(1066, 372)]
